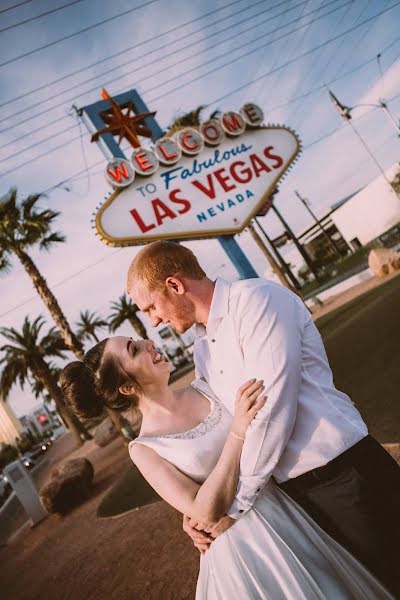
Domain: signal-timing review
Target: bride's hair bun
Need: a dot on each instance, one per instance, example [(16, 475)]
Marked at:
[(93, 384), (79, 390)]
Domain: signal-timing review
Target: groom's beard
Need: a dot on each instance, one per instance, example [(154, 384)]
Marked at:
[(182, 316)]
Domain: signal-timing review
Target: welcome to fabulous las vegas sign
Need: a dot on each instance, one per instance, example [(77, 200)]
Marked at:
[(200, 182)]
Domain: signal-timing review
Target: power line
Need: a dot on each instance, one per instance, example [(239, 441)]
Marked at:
[(277, 53), (82, 172), (48, 12), (300, 56), (64, 280), (3, 10), (156, 60), (201, 76), (270, 109), (217, 68), (316, 67), (123, 51), (71, 35), (337, 78), (212, 60), (46, 153)]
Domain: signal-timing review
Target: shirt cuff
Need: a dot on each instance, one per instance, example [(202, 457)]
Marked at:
[(243, 502)]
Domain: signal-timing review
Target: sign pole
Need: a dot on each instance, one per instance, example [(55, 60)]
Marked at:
[(237, 257), (274, 265), (280, 258)]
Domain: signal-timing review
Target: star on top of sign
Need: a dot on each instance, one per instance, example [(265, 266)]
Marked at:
[(126, 125)]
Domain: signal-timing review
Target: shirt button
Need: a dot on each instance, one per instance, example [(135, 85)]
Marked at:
[(221, 372), (241, 510), (213, 340), (258, 489)]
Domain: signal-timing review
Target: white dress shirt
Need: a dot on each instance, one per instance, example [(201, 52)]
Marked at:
[(257, 328)]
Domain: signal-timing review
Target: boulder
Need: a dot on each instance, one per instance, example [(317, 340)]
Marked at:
[(383, 261), (394, 450), (105, 433), (67, 486)]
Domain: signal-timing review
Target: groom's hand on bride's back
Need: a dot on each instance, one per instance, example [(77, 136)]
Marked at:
[(202, 534)]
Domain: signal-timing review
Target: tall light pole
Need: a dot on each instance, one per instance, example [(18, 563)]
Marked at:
[(382, 103), (345, 114)]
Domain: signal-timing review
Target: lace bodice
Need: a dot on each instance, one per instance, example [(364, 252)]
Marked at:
[(196, 451)]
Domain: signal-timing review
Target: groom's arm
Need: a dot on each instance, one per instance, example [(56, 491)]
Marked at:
[(270, 332)]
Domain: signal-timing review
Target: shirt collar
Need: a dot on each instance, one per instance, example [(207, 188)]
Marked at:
[(218, 309)]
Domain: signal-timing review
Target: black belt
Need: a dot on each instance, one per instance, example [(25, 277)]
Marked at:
[(322, 474)]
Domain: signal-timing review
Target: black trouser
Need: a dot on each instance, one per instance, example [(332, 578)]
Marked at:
[(356, 499)]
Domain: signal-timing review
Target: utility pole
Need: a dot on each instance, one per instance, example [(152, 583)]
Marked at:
[(344, 112), (385, 107), (318, 222), (296, 242), (280, 258)]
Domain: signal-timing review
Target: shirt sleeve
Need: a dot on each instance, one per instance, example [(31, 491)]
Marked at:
[(197, 368), (271, 321)]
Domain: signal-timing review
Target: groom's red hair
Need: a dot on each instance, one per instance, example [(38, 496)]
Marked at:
[(159, 260)]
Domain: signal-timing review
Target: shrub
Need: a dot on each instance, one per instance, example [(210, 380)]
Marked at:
[(8, 453)]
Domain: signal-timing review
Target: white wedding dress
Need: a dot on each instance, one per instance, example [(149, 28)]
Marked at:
[(275, 551)]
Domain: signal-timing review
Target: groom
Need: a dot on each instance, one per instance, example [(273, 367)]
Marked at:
[(308, 437)]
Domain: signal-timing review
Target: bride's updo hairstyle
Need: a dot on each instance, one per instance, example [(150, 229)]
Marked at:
[(92, 384)]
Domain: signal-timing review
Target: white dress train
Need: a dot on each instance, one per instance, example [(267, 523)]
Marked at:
[(275, 551)]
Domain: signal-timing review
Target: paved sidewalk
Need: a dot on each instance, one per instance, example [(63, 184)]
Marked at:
[(335, 301)]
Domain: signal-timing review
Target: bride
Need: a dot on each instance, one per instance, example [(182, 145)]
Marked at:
[(189, 450)]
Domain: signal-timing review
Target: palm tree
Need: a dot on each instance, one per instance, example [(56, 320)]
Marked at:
[(125, 310), (88, 324), (22, 226), (190, 119), (25, 356)]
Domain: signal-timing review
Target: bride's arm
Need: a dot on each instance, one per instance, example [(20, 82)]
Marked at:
[(209, 501)]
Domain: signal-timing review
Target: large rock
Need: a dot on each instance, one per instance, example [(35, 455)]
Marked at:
[(68, 485), (105, 433), (394, 450), (383, 261)]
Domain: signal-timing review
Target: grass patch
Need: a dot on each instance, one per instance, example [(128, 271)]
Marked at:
[(130, 492)]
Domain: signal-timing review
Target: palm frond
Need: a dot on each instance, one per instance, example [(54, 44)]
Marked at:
[(51, 239), (28, 203), (5, 262), (14, 372)]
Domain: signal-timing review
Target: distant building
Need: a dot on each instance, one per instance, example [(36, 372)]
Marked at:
[(10, 427), (371, 213), (41, 421)]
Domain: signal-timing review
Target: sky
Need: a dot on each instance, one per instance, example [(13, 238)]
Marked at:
[(179, 55)]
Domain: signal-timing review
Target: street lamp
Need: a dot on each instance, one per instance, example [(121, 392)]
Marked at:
[(345, 112)]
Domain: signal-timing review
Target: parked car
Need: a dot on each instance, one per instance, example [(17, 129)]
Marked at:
[(28, 460), (5, 487)]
